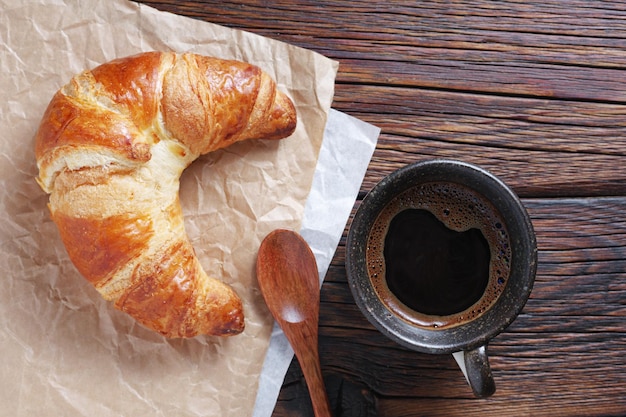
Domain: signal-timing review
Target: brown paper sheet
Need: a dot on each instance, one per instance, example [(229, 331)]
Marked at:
[(65, 351)]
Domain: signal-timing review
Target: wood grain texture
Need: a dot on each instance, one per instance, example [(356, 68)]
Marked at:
[(536, 93)]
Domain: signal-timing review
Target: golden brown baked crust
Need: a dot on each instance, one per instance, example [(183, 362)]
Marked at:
[(110, 149)]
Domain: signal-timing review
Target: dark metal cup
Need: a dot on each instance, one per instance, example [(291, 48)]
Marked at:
[(467, 339)]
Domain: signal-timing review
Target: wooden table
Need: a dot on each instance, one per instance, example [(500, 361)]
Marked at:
[(534, 91)]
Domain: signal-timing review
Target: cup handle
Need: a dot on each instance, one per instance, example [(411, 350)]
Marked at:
[(475, 366)]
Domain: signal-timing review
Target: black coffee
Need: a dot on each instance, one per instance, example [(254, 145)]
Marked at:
[(432, 269), (439, 255)]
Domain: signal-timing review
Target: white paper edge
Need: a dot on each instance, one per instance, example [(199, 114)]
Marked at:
[(459, 357), (345, 154)]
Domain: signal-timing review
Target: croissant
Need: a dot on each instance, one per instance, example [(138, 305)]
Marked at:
[(110, 150)]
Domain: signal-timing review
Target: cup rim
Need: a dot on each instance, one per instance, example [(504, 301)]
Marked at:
[(523, 263)]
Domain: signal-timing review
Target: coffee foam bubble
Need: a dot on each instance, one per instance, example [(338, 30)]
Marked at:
[(459, 208)]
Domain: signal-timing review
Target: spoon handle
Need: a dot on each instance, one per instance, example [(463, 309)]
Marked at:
[(308, 357)]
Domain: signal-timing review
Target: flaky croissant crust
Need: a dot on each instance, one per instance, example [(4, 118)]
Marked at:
[(110, 149)]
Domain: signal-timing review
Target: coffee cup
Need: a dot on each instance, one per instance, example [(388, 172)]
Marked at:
[(441, 258)]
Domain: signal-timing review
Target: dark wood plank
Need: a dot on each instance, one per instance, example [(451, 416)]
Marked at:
[(489, 121), (529, 173), (539, 147)]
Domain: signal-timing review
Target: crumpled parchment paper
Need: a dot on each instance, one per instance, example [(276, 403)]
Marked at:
[(65, 351)]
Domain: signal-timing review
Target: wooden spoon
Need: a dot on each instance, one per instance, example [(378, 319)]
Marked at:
[(288, 278)]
